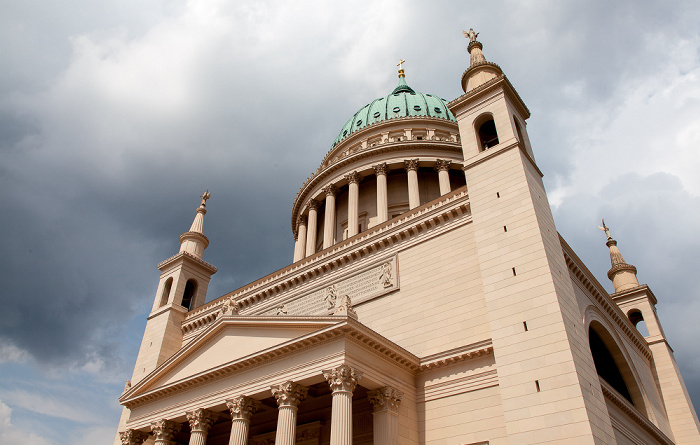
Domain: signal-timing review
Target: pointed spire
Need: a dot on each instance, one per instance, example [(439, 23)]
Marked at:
[(194, 241), (474, 48), (480, 70), (622, 275), (198, 223)]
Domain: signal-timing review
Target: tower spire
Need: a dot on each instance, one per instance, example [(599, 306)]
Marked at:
[(480, 70), (622, 275), (194, 241)]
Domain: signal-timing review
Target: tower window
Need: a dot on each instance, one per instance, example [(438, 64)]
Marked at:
[(637, 319), (487, 135), (166, 292), (188, 296), (605, 364)]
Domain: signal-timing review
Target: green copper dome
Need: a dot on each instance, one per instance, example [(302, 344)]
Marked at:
[(402, 102)]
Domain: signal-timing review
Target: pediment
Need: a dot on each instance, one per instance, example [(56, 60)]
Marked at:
[(229, 339)]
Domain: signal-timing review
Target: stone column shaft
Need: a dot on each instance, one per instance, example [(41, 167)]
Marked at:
[(342, 381), (353, 203), (329, 219), (385, 402), (312, 228), (300, 245), (242, 409), (443, 168), (382, 196), (288, 395), (413, 191)]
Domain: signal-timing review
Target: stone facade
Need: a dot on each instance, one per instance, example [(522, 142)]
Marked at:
[(430, 300)]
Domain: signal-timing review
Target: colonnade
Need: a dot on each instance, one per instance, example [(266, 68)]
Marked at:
[(307, 224), (342, 381)]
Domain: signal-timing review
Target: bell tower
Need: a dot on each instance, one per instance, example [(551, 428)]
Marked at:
[(541, 348)]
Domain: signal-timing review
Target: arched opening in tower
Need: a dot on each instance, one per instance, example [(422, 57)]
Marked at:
[(605, 365), (188, 296), (487, 135)]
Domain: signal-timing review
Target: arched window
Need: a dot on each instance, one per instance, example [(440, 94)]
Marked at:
[(637, 319), (605, 364), (486, 132), (166, 292), (520, 132), (188, 296)]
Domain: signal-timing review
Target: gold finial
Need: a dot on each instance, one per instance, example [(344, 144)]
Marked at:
[(204, 197), (605, 229), (400, 65)]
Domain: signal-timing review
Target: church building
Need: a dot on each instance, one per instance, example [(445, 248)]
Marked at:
[(430, 300)]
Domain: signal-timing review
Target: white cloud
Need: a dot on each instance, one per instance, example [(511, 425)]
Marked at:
[(9, 434)]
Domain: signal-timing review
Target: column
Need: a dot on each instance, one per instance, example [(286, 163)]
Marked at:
[(385, 402), (132, 437), (312, 227), (342, 381), (411, 166), (242, 409), (382, 198), (164, 431), (288, 395), (329, 220), (201, 421), (353, 202), (442, 166), (300, 245)]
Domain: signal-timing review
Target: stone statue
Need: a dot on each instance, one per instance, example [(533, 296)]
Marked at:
[(230, 307), (282, 310), (605, 229), (205, 196), (471, 35), (385, 276), (331, 296)]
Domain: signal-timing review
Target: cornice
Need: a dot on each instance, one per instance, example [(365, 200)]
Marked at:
[(641, 290), (615, 314), (187, 256), (487, 87), (460, 354)]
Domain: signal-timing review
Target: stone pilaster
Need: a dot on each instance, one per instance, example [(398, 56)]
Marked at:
[(442, 166), (353, 202), (132, 437), (385, 402), (329, 219), (382, 197), (164, 431), (201, 421), (342, 381), (288, 395), (312, 227), (242, 409), (300, 244), (411, 166)]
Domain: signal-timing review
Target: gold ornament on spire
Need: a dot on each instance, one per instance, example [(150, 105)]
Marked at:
[(204, 197), (400, 65)]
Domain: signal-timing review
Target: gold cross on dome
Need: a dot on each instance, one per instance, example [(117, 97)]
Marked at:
[(400, 64)]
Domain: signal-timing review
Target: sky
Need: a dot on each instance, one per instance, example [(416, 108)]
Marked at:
[(115, 116)]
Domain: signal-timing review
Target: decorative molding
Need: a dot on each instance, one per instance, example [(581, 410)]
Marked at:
[(242, 407), (455, 355), (410, 164), (461, 385), (229, 307), (344, 308), (353, 177), (289, 393), (342, 379), (165, 430), (380, 169), (132, 437), (201, 420), (186, 255), (442, 165), (385, 399)]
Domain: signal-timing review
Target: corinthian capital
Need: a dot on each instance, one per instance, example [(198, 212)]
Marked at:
[(385, 399), (201, 420), (165, 430), (289, 393), (353, 178), (380, 169), (330, 190), (342, 378), (132, 437), (242, 407), (302, 220), (442, 165), (313, 204), (410, 164)]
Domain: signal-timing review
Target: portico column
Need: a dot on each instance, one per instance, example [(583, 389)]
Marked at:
[(288, 395), (329, 220), (382, 198), (411, 166), (164, 431), (242, 409), (300, 245), (201, 421), (312, 227), (385, 402), (353, 202), (132, 437), (342, 381), (442, 166)]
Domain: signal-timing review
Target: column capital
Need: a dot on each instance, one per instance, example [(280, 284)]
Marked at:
[(342, 379), (165, 430), (302, 220), (410, 164), (385, 399), (330, 190), (242, 407), (201, 419), (132, 437), (289, 393), (353, 178), (442, 165), (380, 169), (312, 204)]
